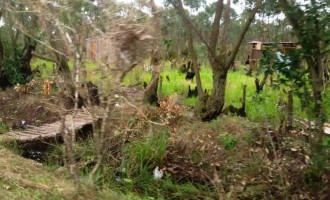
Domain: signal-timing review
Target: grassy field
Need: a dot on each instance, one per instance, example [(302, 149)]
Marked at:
[(261, 107)]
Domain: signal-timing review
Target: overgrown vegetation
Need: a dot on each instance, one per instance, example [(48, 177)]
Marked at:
[(262, 107), (128, 66)]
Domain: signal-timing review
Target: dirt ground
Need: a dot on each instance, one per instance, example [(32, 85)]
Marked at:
[(19, 110)]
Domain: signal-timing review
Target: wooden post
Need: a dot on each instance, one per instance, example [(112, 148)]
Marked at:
[(290, 110), (160, 89), (244, 98)]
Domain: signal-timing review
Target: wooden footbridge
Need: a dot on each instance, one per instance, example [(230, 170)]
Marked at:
[(47, 131)]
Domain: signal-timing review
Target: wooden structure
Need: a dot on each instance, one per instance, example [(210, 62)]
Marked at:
[(52, 130), (257, 47), (100, 48)]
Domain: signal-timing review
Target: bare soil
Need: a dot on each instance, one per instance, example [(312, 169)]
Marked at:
[(22, 109)]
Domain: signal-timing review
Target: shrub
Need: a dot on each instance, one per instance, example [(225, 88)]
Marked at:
[(3, 127), (12, 69)]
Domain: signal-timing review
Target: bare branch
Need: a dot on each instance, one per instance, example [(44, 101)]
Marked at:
[(225, 29), (43, 57), (243, 32), (215, 29), (181, 12)]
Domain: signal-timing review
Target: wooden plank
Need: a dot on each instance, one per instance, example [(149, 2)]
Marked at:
[(33, 133)]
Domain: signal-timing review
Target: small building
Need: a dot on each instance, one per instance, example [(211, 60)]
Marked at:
[(287, 46), (257, 48), (100, 48)]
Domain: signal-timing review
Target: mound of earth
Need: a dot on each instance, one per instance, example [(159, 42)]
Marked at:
[(22, 109)]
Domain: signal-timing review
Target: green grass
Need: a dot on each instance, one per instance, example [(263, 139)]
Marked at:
[(144, 155), (3, 127), (139, 159), (46, 67), (137, 75), (259, 107), (228, 141), (12, 145)]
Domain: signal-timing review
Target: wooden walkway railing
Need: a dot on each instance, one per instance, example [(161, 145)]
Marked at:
[(32, 133)]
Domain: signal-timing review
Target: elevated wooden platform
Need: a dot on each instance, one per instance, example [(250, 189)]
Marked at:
[(46, 131)]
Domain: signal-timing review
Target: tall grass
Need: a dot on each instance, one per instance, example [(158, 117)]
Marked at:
[(261, 107)]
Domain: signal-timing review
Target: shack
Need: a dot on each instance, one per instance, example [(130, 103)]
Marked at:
[(100, 48), (257, 48)]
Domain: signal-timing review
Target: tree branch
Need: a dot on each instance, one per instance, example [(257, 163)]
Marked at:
[(225, 29), (243, 32), (186, 19), (215, 29), (43, 57), (293, 18)]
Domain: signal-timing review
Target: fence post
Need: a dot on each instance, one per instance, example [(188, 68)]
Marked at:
[(290, 110)]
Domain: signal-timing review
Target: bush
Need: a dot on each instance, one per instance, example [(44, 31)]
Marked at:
[(12, 69)]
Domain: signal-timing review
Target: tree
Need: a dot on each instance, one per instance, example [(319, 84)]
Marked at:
[(16, 48), (3, 79), (150, 94), (173, 33), (191, 49), (310, 25), (221, 60)]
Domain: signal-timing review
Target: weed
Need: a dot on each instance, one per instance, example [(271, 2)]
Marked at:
[(228, 141), (3, 127), (186, 190), (54, 157), (249, 138), (256, 191), (313, 177), (146, 154), (12, 145)]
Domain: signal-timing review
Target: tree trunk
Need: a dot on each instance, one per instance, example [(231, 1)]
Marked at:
[(63, 68), (220, 66), (1, 56), (4, 82), (150, 94), (210, 108), (191, 50), (25, 65), (290, 111), (260, 85), (316, 71), (1, 49), (216, 101), (3, 78)]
